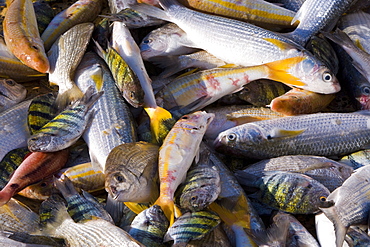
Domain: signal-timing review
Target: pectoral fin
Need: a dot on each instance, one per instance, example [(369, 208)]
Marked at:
[(277, 133)]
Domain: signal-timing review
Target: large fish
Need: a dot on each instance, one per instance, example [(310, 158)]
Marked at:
[(11, 93), (322, 134), (254, 46)]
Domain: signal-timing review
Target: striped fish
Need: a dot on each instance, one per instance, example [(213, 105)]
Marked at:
[(65, 129), (191, 226), (11, 93), (10, 163), (41, 111)]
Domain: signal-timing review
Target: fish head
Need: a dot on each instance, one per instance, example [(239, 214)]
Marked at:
[(41, 142), (12, 90), (41, 190), (134, 94), (151, 216), (362, 95), (35, 57), (199, 200), (197, 121), (152, 46)]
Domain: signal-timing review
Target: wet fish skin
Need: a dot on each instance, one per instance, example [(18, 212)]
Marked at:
[(11, 93), (41, 111), (10, 163), (290, 192), (357, 159), (65, 129), (131, 172), (149, 227), (22, 36), (311, 134), (351, 204)]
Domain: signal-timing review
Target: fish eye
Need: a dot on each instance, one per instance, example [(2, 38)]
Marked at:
[(10, 82), (132, 94), (43, 184), (184, 117), (147, 41), (365, 90), (231, 137), (327, 77), (193, 198), (119, 178), (35, 47), (322, 198)]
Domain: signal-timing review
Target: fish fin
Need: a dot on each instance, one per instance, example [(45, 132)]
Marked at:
[(278, 43), (229, 65), (240, 119), (53, 212), (318, 165), (339, 227), (114, 208), (187, 73), (137, 208), (90, 97), (159, 117), (279, 71), (65, 186), (95, 162), (98, 78), (98, 49), (298, 16), (278, 133), (151, 11), (65, 98), (246, 179), (7, 193), (168, 207)]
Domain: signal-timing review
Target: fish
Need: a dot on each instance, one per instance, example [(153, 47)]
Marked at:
[(311, 23), (32, 169), (44, 14), (299, 101), (28, 240), (298, 65), (191, 225), (41, 111), (149, 227), (322, 134), (57, 223), (10, 163), (176, 155), (216, 238), (290, 192), (328, 172), (168, 40), (113, 123), (80, 207), (201, 186), (22, 36), (357, 237), (64, 55), (80, 12), (351, 205), (11, 93), (67, 127), (293, 5), (126, 80), (357, 159), (131, 172), (261, 92), (14, 131)]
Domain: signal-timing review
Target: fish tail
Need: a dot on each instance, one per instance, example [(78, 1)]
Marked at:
[(161, 121), (151, 11), (7, 193), (53, 212), (168, 207), (90, 97), (65, 98), (136, 207), (340, 228)]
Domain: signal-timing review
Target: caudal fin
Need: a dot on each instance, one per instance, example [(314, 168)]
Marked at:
[(161, 122)]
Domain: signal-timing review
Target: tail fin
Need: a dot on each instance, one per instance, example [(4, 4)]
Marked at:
[(68, 96), (169, 208), (161, 121), (53, 212)]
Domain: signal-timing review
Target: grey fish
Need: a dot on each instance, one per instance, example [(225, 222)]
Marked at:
[(149, 227), (357, 159), (113, 122), (132, 172), (330, 173), (356, 237), (11, 93), (322, 134), (351, 203)]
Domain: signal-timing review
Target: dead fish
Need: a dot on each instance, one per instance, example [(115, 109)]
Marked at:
[(11, 93)]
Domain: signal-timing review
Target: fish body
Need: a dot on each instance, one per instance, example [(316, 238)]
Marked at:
[(351, 204), (254, 46), (131, 172), (41, 111), (149, 227), (330, 173), (357, 237), (36, 166), (357, 159), (11, 93), (64, 55), (298, 101), (10, 163), (14, 131), (322, 134), (79, 12), (65, 129), (22, 35), (315, 15), (176, 155), (113, 122), (290, 192)]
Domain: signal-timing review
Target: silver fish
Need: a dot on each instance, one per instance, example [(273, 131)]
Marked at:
[(11, 93)]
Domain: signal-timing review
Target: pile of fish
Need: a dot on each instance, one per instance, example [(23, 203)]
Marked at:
[(191, 123)]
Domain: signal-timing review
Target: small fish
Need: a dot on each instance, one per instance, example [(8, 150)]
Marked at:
[(64, 55), (201, 186), (351, 204), (261, 92), (176, 154), (80, 12), (32, 169), (57, 223), (131, 172), (189, 226), (11, 93), (357, 159), (290, 192), (322, 134), (299, 101), (149, 227), (22, 36), (165, 41), (10, 163), (126, 80), (65, 129)]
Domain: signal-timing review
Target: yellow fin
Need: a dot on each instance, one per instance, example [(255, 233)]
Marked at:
[(281, 44), (71, 95), (278, 71), (358, 44), (97, 77), (169, 208), (187, 73), (158, 116), (229, 65), (276, 133), (136, 207)]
